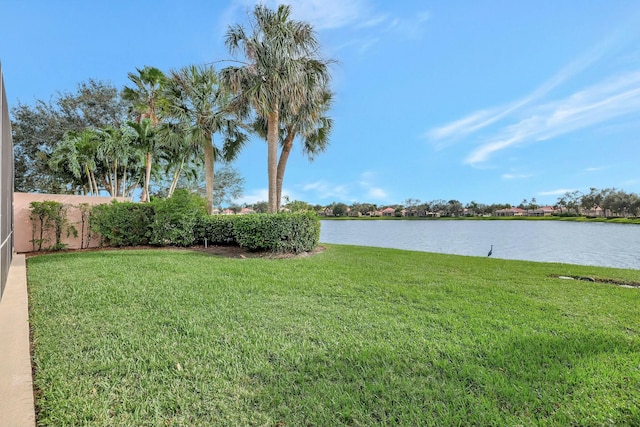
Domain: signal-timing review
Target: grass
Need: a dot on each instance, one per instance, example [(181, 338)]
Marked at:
[(351, 336)]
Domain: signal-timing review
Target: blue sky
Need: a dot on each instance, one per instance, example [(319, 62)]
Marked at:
[(488, 101)]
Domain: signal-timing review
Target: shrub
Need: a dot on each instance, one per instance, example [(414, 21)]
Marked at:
[(283, 232), (122, 223), (217, 229), (47, 216), (176, 219)]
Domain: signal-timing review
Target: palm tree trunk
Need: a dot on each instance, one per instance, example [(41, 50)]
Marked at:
[(124, 181), (272, 158), (282, 163), (176, 176), (208, 168), (114, 185), (147, 178)]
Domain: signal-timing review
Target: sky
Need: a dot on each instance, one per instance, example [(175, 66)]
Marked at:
[(490, 101)]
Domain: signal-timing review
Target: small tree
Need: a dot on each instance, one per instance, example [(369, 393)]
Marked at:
[(340, 209), (49, 216), (85, 212)]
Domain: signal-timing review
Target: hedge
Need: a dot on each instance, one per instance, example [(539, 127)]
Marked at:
[(216, 229), (122, 223), (283, 232), (175, 219), (181, 221)]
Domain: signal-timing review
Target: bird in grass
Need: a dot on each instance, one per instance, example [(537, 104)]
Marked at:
[(490, 251)]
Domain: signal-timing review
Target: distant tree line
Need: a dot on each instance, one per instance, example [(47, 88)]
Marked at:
[(608, 202)]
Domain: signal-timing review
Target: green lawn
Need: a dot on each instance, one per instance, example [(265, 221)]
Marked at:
[(351, 336)]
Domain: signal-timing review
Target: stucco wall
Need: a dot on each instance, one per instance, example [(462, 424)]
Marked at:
[(23, 226)]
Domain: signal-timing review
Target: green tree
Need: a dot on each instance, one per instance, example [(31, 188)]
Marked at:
[(340, 209), (38, 128), (147, 104), (309, 123), (229, 185), (279, 54), (122, 161), (200, 105), (261, 207), (77, 153)]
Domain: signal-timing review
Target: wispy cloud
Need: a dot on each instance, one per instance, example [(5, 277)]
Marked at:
[(607, 100), (262, 195), (358, 15), (481, 119), (327, 190), (595, 169), (365, 187), (368, 183), (531, 119), (558, 192), (323, 14), (516, 176)]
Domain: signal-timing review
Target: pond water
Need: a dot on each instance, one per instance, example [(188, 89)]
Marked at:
[(586, 243)]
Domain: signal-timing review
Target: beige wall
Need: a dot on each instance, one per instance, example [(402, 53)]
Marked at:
[(22, 222)]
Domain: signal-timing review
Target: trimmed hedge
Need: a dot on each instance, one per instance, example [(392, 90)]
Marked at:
[(122, 223), (176, 218), (181, 220), (283, 232), (216, 229)]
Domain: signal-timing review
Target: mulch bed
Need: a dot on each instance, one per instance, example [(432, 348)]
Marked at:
[(231, 251)]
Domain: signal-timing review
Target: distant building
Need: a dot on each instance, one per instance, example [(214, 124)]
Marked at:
[(388, 212), (510, 212)]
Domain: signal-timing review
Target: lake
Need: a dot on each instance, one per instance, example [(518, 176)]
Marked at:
[(585, 243)]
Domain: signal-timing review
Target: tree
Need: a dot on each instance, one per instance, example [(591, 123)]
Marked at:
[(77, 153), (261, 207), (298, 206), (340, 209), (37, 128), (200, 106), (279, 54), (122, 161), (309, 123), (145, 140), (147, 103)]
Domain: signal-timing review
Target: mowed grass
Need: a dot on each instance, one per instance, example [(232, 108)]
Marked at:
[(351, 336)]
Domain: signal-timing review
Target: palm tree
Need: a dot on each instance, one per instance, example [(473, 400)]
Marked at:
[(116, 151), (312, 125), (77, 153), (179, 154), (280, 54), (147, 103), (201, 107), (146, 141)]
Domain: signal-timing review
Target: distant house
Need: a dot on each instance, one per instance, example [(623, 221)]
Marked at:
[(510, 212), (410, 212), (326, 212), (245, 211), (543, 211), (595, 211), (228, 212), (388, 212)]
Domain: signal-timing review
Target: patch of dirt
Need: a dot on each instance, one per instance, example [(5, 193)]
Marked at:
[(231, 251), (623, 283)]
